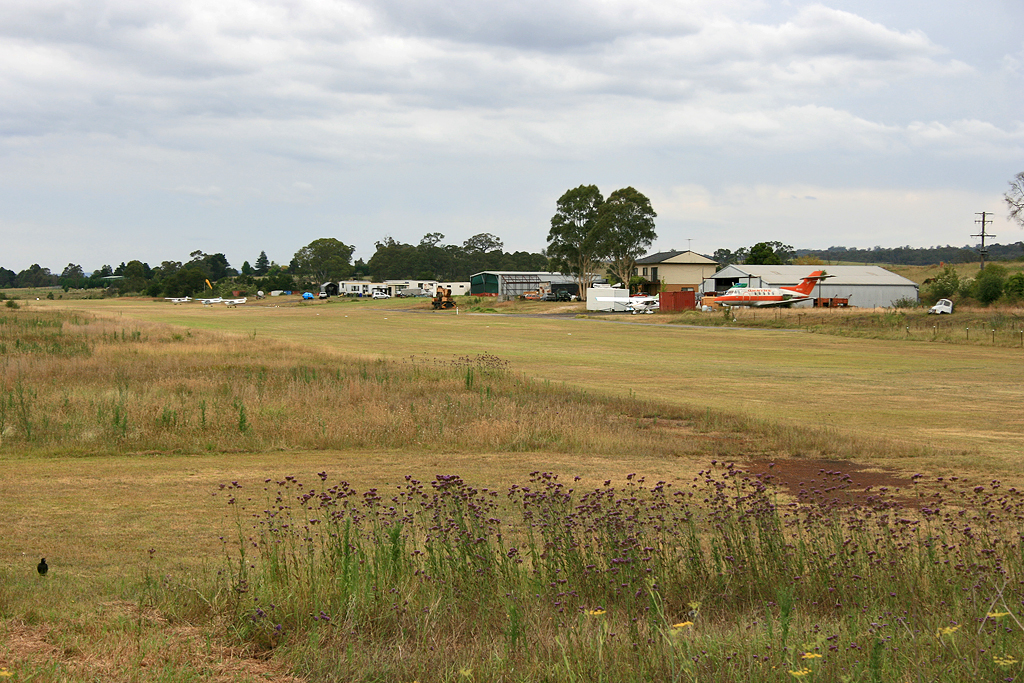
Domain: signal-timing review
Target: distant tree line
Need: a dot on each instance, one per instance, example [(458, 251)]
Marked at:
[(777, 253), (432, 260), (170, 278), (911, 256), (322, 260)]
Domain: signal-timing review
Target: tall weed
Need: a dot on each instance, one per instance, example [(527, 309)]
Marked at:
[(720, 578)]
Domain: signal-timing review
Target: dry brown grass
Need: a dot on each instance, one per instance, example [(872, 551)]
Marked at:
[(152, 389), (907, 396)]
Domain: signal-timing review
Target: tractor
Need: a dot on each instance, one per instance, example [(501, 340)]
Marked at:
[(443, 298)]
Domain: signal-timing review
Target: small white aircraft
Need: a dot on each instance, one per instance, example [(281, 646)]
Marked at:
[(178, 299), (643, 304), (231, 303), (210, 302), (636, 304)]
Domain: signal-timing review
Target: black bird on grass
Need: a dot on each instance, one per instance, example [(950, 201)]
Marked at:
[(42, 567)]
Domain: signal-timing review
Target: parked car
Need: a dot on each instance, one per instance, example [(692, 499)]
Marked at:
[(323, 295), (942, 306), (381, 295)]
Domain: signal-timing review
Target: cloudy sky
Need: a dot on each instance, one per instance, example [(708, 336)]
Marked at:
[(147, 129)]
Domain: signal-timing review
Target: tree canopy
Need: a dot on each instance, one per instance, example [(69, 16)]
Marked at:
[(73, 271), (483, 243), (35, 276), (431, 259), (576, 243), (262, 264), (587, 230), (187, 281), (626, 220), (325, 259), (769, 254)]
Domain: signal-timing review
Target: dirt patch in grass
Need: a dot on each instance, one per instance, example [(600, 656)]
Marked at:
[(837, 481)]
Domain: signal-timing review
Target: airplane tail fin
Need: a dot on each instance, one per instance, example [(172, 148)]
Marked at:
[(807, 284)]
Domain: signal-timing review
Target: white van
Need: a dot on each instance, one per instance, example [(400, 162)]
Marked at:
[(942, 306)]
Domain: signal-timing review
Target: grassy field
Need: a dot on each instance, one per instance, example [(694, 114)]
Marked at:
[(947, 403), (123, 419)]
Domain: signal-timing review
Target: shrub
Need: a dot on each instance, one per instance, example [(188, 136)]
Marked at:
[(1013, 288), (945, 285), (905, 302), (988, 285)]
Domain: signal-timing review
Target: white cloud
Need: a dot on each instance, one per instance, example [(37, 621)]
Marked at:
[(218, 105), (812, 216)]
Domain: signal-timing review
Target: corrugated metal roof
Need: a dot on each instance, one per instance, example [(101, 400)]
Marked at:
[(674, 257), (554, 278), (514, 272), (843, 275)]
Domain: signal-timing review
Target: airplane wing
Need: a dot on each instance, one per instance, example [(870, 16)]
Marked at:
[(767, 304)]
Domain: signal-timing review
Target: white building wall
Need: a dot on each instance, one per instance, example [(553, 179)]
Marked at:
[(458, 288), (607, 299), (867, 296)]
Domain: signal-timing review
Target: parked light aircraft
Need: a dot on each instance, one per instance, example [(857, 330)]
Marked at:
[(643, 304), (636, 304), (231, 303), (178, 299), (210, 302), (741, 295)]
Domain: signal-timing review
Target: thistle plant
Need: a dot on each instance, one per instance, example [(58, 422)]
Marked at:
[(717, 578)]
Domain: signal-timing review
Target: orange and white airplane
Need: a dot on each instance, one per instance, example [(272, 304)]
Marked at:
[(741, 295)]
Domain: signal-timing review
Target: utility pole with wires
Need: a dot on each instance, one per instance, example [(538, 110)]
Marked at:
[(985, 220)]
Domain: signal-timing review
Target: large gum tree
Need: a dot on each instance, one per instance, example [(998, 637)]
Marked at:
[(325, 259), (626, 222), (576, 243)]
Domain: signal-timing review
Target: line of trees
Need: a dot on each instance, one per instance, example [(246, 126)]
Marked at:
[(911, 256), (777, 253), (322, 260), (174, 278), (432, 260)]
